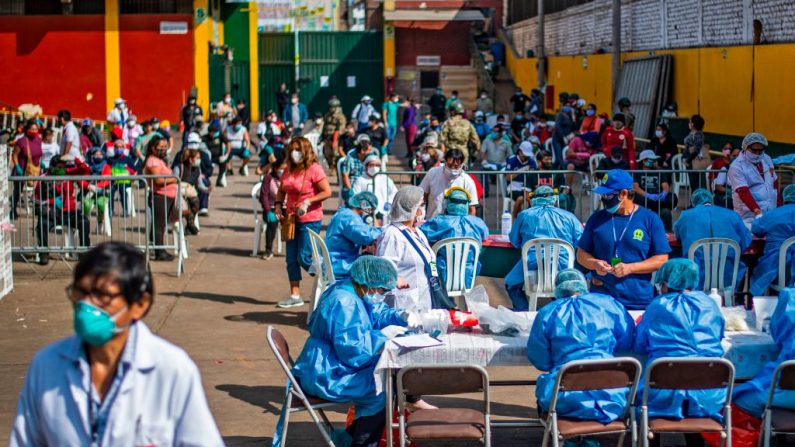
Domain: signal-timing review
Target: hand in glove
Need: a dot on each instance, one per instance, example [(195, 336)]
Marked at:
[(393, 331), (655, 197), (272, 217), (302, 208), (412, 320), (663, 195)]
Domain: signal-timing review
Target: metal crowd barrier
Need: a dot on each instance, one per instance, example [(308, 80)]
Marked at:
[(67, 215), (681, 185), (498, 197)]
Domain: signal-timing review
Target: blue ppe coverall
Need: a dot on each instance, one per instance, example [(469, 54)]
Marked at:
[(710, 221), (682, 324), (751, 396), (539, 222), (346, 234), (775, 226), (589, 326), (444, 227)]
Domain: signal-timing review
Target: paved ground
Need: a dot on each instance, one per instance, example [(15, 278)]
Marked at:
[(218, 312)]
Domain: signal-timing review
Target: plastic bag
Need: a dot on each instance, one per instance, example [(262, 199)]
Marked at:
[(477, 299), (745, 430), (503, 321), (735, 319)]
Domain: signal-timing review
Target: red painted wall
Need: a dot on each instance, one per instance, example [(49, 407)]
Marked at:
[(156, 69), (448, 42), (54, 61)]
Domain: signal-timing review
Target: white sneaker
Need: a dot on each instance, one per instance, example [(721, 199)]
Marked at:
[(293, 301), (223, 180), (245, 171), (204, 212)]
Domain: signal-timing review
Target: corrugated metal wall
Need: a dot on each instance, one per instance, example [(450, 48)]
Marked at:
[(341, 56)]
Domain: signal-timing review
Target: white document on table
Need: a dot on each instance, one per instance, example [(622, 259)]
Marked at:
[(415, 341)]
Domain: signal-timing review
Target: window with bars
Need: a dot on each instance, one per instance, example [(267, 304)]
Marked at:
[(519, 10), (51, 7), (156, 6)]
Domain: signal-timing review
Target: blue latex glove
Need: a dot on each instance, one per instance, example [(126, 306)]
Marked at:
[(655, 197), (19, 170), (383, 150), (663, 195), (58, 202), (272, 217)]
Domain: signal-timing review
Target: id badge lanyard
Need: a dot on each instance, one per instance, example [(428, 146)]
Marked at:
[(616, 259)]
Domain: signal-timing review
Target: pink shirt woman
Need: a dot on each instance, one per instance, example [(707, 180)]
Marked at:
[(302, 192)]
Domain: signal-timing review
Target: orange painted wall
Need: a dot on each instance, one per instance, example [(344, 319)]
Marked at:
[(54, 61), (157, 70)]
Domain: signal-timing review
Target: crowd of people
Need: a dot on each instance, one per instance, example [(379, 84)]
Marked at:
[(622, 251)]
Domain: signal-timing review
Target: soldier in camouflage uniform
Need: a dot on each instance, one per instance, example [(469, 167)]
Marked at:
[(459, 133), (623, 106), (333, 125)]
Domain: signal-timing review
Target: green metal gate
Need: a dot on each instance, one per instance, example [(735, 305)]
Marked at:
[(228, 76), (348, 64)]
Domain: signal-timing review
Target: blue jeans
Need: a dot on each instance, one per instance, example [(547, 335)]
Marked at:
[(391, 131), (299, 250)]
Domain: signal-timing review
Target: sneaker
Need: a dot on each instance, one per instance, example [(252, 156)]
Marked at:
[(293, 301), (267, 255), (221, 182), (243, 171), (204, 212), (44, 258), (164, 256), (191, 229)]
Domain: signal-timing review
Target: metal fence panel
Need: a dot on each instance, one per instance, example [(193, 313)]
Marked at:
[(68, 215)]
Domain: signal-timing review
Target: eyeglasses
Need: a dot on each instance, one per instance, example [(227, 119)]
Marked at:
[(757, 149), (98, 297)]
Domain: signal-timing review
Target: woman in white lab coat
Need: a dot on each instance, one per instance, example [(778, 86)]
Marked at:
[(113, 382), (405, 245)]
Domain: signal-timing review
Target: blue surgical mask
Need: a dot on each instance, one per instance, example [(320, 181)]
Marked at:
[(238, 127), (612, 203), (567, 109), (590, 112), (94, 325)]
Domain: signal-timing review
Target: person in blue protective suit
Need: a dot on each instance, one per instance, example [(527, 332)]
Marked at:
[(706, 220), (751, 396), (456, 222), (776, 226), (348, 232), (347, 333), (681, 323), (542, 220), (623, 244), (579, 325)]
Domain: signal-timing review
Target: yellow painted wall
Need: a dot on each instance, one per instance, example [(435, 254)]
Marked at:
[(736, 89), (112, 53), (202, 34), (774, 94), (253, 64)]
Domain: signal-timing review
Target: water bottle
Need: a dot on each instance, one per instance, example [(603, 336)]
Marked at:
[(713, 293), (506, 222)]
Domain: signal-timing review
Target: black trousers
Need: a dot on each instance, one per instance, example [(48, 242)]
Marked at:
[(52, 217), (366, 431), (163, 208)]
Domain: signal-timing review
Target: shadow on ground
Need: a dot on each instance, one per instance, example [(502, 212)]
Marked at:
[(297, 319), (217, 297), (243, 252)]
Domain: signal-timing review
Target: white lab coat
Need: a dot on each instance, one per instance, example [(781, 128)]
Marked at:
[(160, 400), (394, 246)]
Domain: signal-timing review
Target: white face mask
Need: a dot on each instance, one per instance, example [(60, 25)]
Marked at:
[(425, 157), (452, 172), (658, 133), (420, 215), (227, 100), (373, 170), (297, 156), (196, 163), (130, 124), (318, 123), (111, 152)]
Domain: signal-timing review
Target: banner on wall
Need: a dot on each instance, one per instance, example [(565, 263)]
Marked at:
[(307, 15)]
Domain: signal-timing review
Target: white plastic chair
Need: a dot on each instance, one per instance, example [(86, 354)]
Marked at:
[(547, 253), (457, 250), (324, 275), (339, 178), (680, 179), (716, 253), (502, 188), (129, 196), (782, 263)]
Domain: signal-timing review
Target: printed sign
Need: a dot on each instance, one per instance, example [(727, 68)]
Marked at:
[(173, 27)]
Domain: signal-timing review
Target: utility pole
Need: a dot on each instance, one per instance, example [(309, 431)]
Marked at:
[(616, 66), (541, 57)]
